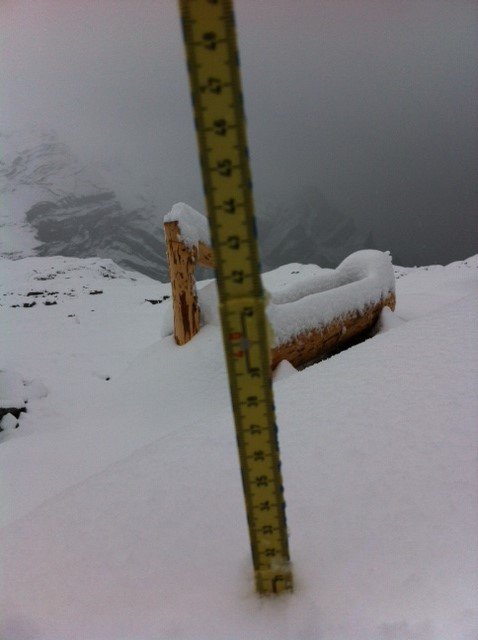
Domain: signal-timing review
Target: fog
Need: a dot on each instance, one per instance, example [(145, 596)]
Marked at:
[(373, 104)]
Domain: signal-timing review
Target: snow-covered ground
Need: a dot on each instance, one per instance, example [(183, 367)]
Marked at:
[(122, 509)]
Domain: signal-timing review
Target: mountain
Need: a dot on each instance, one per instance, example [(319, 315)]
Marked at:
[(52, 204), (308, 229)]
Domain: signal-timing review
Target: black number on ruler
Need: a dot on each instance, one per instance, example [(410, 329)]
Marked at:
[(267, 529), (255, 430), (270, 552), (220, 127), (254, 372), (229, 206), (209, 40), (265, 506), (233, 242), (252, 401), (237, 276), (248, 311), (262, 481), (213, 85), (224, 167), (258, 456)]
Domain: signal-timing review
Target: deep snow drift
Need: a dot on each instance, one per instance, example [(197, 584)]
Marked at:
[(123, 514)]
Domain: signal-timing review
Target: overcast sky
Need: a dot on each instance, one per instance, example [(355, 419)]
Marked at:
[(374, 102)]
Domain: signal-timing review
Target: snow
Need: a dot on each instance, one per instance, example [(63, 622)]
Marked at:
[(360, 280), (283, 370), (12, 390), (18, 237), (123, 513), (193, 226), (8, 422)]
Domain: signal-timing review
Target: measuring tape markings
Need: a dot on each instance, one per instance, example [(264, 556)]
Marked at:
[(223, 163), (217, 100), (252, 399)]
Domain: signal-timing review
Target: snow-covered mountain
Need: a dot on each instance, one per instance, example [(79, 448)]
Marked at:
[(52, 204)]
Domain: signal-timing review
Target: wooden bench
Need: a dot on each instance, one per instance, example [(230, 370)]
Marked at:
[(307, 346)]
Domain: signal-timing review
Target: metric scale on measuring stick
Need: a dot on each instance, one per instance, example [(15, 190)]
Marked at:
[(213, 65)]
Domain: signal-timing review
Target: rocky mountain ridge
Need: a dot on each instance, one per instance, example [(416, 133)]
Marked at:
[(53, 204)]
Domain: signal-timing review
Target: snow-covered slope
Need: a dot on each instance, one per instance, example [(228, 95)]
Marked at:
[(52, 204), (122, 506)]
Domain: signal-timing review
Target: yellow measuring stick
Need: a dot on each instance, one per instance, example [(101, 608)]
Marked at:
[(213, 65)]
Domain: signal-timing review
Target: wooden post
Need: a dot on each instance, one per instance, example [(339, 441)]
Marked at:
[(205, 256), (181, 261)]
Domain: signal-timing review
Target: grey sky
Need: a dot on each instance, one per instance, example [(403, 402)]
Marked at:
[(373, 102)]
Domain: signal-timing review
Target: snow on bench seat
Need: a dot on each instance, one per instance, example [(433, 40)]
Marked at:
[(363, 280)]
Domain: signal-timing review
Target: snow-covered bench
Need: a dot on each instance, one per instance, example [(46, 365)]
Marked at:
[(310, 318)]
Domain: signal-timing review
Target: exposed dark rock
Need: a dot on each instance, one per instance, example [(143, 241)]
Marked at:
[(157, 301), (15, 411), (42, 293)]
